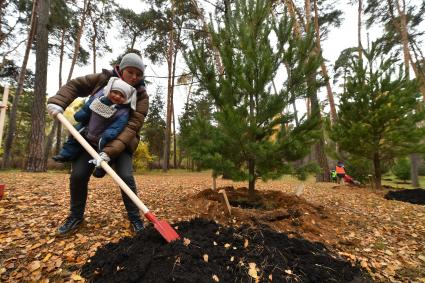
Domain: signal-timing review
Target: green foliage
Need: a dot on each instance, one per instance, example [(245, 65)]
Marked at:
[(302, 172), (142, 157), (401, 169), (153, 131), (246, 135), (358, 168), (379, 110)]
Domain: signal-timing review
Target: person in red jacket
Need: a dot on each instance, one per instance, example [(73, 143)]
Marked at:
[(340, 172)]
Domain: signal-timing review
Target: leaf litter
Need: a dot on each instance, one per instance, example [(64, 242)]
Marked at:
[(383, 237)]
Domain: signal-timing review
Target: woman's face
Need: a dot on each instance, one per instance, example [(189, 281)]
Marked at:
[(132, 75)]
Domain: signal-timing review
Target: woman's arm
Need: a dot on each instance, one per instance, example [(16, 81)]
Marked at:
[(78, 87)]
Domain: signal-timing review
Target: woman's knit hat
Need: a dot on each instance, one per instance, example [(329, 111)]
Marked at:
[(132, 60)]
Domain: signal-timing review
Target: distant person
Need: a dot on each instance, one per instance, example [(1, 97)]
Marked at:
[(101, 119), (340, 172), (131, 70), (333, 176)]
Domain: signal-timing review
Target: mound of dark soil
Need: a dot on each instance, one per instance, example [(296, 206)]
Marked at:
[(415, 196), (209, 252)]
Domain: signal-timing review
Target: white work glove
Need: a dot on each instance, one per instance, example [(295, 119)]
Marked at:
[(54, 109), (103, 157)]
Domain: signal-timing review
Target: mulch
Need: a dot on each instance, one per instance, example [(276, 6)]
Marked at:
[(415, 196), (209, 252)]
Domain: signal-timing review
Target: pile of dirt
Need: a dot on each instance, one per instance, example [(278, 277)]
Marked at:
[(276, 209), (209, 252), (415, 196)]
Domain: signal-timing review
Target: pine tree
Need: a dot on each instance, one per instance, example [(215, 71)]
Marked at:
[(154, 127), (378, 111), (248, 129)]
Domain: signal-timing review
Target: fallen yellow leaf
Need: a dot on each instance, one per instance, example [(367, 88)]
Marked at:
[(33, 266), (252, 270), (205, 257), (186, 242), (76, 277), (47, 257)]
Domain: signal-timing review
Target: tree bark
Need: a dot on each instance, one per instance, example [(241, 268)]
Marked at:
[(402, 28), (12, 115), (49, 141), (35, 162), (323, 66), (78, 39), (172, 100), (359, 30), (59, 125), (165, 165), (378, 174)]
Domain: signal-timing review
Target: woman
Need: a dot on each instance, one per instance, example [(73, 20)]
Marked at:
[(131, 70)]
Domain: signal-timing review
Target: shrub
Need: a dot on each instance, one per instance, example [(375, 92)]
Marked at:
[(401, 169), (142, 157), (358, 168)]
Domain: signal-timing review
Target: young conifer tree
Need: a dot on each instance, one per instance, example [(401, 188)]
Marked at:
[(379, 111), (253, 135)]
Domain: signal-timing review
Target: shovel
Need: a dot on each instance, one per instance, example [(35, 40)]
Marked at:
[(162, 227)]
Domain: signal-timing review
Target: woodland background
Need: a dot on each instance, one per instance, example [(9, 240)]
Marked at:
[(249, 66)]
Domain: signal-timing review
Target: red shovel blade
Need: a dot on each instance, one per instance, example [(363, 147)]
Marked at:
[(165, 229)]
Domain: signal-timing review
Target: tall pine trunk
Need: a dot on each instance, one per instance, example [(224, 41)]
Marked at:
[(35, 162), (78, 38), (167, 143), (12, 116), (402, 28), (323, 66), (378, 174), (359, 30)]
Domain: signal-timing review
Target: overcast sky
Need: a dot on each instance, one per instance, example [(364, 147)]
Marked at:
[(338, 40)]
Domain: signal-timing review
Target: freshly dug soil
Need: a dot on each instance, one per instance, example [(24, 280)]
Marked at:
[(415, 196), (209, 252)]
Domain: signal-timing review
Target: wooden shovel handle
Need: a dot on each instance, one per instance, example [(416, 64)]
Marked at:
[(104, 164)]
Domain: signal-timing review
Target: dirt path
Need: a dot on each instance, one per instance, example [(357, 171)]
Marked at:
[(385, 237)]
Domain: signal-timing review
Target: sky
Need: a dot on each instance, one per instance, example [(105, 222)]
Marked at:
[(338, 40)]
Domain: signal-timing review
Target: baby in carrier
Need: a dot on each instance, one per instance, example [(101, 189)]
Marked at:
[(101, 119)]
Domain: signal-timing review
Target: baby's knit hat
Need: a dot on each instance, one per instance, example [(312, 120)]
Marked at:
[(132, 60), (129, 92)]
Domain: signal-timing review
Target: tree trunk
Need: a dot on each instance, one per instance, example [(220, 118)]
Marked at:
[(252, 179), (172, 100), (359, 30), (78, 38), (319, 147), (377, 167), (49, 141), (93, 40), (12, 115), (414, 169), (323, 66), (59, 125), (166, 157), (402, 28), (35, 162)]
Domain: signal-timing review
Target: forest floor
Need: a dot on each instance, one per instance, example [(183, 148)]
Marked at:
[(384, 238)]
